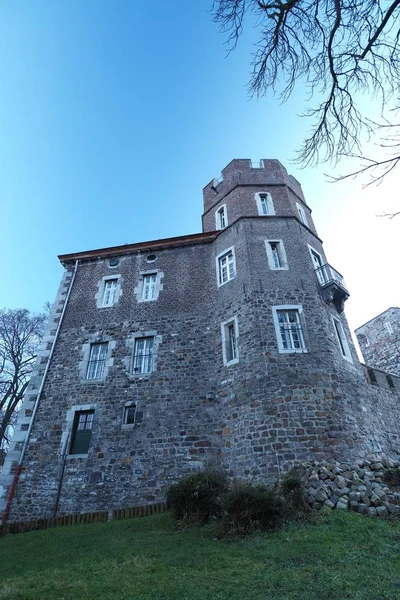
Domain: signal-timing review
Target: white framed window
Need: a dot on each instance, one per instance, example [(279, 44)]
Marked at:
[(342, 340), (276, 255), (289, 328), (388, 327), (230, 337), (149, 287), (129, 415), (265, 205), (143, 355), (97, 360), (321, 268), (110, 290), (226, 266), (221, 217), (302, 214)]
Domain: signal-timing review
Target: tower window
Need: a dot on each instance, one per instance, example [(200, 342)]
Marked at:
[(342, 340), (81, 432), (372, 376), (97, 361), (143, 355), (302, 214), (390, 381), (230, 350), (388, 327), (276, 255), (221, 218), (264, 204), (226, 267), (288, 327)]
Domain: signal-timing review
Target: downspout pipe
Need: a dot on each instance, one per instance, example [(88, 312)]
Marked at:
[(35, 408)]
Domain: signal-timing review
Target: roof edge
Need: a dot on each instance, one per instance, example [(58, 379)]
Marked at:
[(195, 238)]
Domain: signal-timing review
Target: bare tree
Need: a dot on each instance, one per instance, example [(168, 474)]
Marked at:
[(20, 332), (339, 49)]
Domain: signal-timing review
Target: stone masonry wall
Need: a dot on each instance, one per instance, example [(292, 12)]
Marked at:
[(256, 417), (379, 341)]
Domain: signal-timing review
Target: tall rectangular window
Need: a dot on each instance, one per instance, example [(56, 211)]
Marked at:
[(149, 286), (302, 214), (97, 361), (288, 327), (221, 220), (81, 432), (226, 267), (388, 327), (264, 204), (342, 340), (143, 355), (276, 255), (230, 351), (110, 288)]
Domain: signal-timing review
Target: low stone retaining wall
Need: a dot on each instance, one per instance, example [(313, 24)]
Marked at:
[(362, 488)]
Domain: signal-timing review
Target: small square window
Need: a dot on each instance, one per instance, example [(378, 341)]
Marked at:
[(264, 204), (81, 432), (226, 267), (97, 361), (276, 255), (230, 349), (149, 287), (143, 355), (129, 414), (343, 344), (221, 219), (289, 330), (110, 289)]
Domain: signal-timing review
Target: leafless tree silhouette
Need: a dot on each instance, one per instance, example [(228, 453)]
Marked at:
[(340, 49)]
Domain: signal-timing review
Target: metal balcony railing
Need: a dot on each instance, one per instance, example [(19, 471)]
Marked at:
[(332, 285)]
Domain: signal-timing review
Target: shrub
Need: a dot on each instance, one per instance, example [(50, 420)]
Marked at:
[(392, 477), (197, 497), (249, 508), (293, 492)]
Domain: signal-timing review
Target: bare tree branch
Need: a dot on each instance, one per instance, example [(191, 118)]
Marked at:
[(340, 50)]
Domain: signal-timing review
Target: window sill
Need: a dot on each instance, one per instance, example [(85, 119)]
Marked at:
[(225, 282), (291, 351), (231, 362), (77, 456)]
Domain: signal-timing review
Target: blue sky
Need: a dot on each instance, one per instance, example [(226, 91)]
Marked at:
[(114, 115)]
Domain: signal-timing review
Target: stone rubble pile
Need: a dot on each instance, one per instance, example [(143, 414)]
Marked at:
[(361, 488)]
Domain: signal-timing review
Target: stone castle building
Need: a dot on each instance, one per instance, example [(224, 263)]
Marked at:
[(228, 349), (379, 341)]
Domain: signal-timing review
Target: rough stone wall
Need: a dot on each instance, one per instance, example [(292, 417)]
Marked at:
[(379, 341), (255, 418)]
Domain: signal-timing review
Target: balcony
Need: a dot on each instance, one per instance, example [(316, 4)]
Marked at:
[(332, 286)]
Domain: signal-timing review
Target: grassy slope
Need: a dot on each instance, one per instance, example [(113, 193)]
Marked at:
[(343, 556)]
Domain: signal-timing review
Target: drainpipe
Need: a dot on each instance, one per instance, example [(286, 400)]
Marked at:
[(35, 408)]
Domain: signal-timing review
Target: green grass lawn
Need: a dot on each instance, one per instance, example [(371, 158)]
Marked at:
[(342, 556)]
